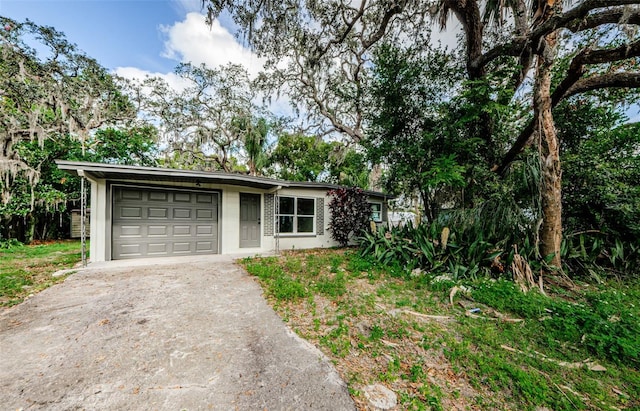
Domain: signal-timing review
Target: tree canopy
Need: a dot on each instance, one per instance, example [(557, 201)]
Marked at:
[(536, 90), (207, 120), (307, 158), (49, 89)]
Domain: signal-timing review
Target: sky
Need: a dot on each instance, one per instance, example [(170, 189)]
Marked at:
[(134, 38), (137, 37)]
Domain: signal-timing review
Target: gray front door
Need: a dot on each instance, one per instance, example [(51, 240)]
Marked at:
[(249, 220), (155, 222)]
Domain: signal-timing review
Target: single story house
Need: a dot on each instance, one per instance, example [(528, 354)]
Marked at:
[(139, 212)]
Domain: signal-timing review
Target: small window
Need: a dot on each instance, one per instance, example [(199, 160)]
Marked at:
[(376, 212), (296, 215)]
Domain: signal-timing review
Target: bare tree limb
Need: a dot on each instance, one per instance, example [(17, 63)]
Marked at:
[(577, 67), (338, 40), (609, 80), (574, 83), (576, 19), (394, 8), (577, 13), (524, 140), (614, 16), (322, 106)]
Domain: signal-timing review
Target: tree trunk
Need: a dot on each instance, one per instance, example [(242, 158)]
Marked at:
[(30, 231), (551, 172)]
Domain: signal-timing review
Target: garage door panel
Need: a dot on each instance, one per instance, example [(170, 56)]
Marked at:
[(182, 213), (130, 212), (204, 214), (182, 230), (158, 196), (182, 247), (130, 231), (130, 250), (158, 213), (157, 249), (204, 246), (163, 222), (158, 231), (182, 197), (127, 194), (204, 198), (204, 230)]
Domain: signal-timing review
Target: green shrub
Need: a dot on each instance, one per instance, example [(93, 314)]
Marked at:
[(468, 254), (591, 254), (430, 247), (9, 243)]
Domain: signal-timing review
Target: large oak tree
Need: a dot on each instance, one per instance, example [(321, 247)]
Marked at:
[(319, 52), (48, 88)]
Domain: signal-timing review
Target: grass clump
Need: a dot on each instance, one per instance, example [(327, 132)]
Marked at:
[(278, 285)]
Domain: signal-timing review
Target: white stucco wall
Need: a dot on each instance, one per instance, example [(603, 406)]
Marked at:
[(302, 241)]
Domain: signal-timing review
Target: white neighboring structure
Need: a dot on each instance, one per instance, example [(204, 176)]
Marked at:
[(139, 212), (399, 218)]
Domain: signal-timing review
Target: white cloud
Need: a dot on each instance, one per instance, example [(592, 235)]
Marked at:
[(136, 74), (192, 40)]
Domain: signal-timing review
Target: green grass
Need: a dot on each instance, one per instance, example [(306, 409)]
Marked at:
[(602, 322), (27, 269), (366, 318)]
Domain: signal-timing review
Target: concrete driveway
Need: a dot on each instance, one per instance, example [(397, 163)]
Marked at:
[(170, 334)]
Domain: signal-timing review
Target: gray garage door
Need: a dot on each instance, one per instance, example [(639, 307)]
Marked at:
[(161, 222)]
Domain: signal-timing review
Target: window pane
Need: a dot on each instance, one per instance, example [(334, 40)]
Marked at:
[(376, 211), (305, 224), (306, 206), (286, 205), (286, 224)]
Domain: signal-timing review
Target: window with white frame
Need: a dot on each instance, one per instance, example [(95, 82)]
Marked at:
[(296, 215), (376, 212)]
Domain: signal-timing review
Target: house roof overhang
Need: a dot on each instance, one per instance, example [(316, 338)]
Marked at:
[(100, 171)]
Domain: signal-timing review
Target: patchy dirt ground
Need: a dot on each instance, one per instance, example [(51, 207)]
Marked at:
[(434, 344), (372, 341), (188, 335)]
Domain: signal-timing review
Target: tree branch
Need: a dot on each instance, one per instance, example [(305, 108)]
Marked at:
[(573, 84), (609, 80), (575, 20), (577, 13), (394, 8), (614, 16), (338, 40), (577, 67), (524, 140), (321, 105)]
